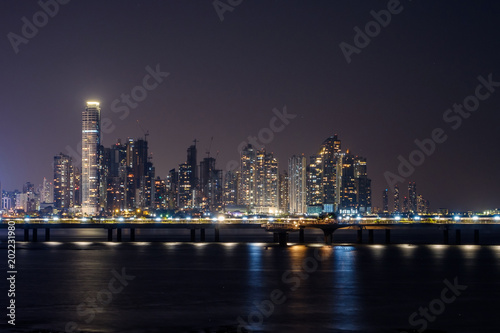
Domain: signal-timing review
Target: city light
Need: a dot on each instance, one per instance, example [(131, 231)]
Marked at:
[(456, 218), (397, 217), (475, 218)]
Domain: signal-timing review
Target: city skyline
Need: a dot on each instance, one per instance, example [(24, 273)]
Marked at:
[(91, 122), (209, 81)]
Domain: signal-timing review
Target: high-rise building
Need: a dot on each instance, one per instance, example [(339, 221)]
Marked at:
[(266, 182), (160, 194), (297, 187), (314, 181), (140, 174), (63, 182), (246, 190), (231, 188), (385, 201), (397, 203), (46, 192), (406, 207), (363, 186), (346, 193), (328, 152), (422, 205), (185, 190), (116, 160), (210, 184), (172, 189), (91, 140), (284, 193), (412, 197), (192, 161)]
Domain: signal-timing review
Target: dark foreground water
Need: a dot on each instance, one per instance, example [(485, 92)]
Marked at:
[(155, 286)]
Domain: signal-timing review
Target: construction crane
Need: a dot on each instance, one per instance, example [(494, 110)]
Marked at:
[(146, 133), (210, 146)]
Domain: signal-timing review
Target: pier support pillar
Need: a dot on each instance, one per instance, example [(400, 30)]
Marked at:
[(132, 234), (47, 234), (328, 237), (193, 235), (35, 234), (283, 237), (446, 239), (476, 236), (458, 236), (275, 237), (202, 234), (118, 234), (110, 235), (388, 236), (301, 236), (26, 235), (359, 238), (370, 236), (216, 234)]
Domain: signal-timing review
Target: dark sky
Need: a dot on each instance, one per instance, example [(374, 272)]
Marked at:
[(226, 78)]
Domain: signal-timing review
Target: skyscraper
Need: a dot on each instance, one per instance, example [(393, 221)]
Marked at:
[(346, 193), (363, 186), (185, 190), (315, 184), (91, 140), (328, 152), (191, 160), (412, 197), (385, 201), (46, 192), (246, 190), (210, 184), (297, 187), (397, 203), (63, 184), (284, 190), (266, 182), (230, 188)]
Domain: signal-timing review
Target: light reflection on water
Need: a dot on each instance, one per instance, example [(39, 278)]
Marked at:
[(365, 288)]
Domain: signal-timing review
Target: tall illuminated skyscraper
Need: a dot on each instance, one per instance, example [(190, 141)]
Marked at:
[(297, 184), (412, 197), (91, 140), (246, 190), (397, 205), (63, 182)]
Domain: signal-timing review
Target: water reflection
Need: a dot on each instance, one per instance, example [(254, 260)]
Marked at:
[(345, 295)]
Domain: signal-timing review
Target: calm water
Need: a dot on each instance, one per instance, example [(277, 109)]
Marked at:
[(206, 287)]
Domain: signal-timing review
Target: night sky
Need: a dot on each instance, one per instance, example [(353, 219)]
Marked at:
[(227, 76)]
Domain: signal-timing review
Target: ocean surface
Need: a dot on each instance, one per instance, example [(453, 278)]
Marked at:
[(78, 282)]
